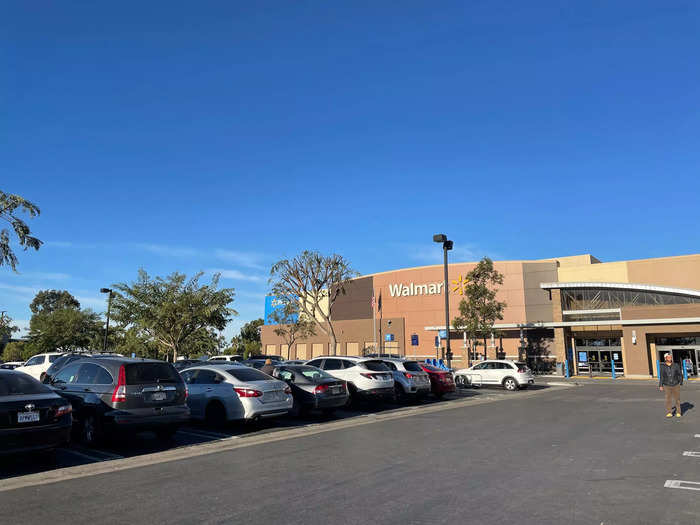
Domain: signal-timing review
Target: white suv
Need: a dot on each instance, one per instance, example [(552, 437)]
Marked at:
[(509, 374), (367, 378), (225, 358), (38, 364)]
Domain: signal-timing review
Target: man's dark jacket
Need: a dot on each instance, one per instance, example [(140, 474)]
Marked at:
[(670, 375)]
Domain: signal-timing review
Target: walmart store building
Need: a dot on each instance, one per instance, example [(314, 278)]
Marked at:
[(592, 314)]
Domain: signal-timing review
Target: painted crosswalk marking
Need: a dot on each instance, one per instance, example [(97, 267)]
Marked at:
[(680, 484)]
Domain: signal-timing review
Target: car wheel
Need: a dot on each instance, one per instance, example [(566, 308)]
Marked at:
[(510, 384), (215, 414), (166, 433), (90, 430), (352, 395), (399, 394)]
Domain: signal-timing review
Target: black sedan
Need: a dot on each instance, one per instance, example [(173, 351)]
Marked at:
[(312, 388), (32, 416)]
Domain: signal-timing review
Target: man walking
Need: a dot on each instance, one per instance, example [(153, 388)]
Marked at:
[(670, 381)]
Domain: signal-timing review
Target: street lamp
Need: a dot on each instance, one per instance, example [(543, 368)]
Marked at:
[(109, 305), (446, 246)]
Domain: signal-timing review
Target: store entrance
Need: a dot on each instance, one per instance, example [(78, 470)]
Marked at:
[(681, 354), (596, 357)]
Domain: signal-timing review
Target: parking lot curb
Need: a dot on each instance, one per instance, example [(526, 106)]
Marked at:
[(238, 442)]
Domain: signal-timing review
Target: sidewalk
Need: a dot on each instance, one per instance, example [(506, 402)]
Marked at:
[(608, 379)]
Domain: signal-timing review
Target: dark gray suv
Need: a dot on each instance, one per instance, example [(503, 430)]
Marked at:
[(113, 394)]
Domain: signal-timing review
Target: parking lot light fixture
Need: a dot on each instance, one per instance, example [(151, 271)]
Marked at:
[(109, 305), (446, 246)]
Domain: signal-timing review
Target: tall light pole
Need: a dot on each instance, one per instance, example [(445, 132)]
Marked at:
[(446, 246), (109, 305)]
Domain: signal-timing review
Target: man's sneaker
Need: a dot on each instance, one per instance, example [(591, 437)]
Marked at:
[(678, 414), (669, 415)]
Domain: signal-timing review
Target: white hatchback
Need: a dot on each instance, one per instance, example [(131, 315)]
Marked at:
[(509, 374), (38, 364), (366, 377)]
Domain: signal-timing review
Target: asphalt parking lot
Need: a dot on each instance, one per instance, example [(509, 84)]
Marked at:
[(198, 433), (599, 453)]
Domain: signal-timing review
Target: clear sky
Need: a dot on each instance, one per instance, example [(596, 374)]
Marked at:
[(224, 135)]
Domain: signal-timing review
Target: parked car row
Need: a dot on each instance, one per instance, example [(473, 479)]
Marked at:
[(99, 395)]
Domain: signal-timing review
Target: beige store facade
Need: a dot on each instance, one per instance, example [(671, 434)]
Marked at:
[(577, 310)]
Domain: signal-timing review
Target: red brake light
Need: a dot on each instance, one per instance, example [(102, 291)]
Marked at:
[(408, 375), (320, 389), (248, 392), (119, 394), (187, 392)]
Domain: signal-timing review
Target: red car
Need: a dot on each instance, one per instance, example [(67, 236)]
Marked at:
[(441, 381)]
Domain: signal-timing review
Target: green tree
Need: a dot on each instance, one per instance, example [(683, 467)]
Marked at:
[(248, 337), (10, 205), (64, 330), (169, 310), (13, 351), (47, 301), (317, 281), (251, 348), (134, 341), (479, 310), (6, 328), (204, 341), (291, 325)]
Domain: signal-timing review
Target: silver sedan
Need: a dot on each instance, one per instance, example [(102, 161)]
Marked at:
[(220, 393)]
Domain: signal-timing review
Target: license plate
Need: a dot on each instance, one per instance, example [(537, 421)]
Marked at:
[(27, 417), (335, 390), (158, 396)]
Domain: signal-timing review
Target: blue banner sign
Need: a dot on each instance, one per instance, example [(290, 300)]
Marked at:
[(274, 303), (583, 357), (443, 334), (389, 337), (414, 340)]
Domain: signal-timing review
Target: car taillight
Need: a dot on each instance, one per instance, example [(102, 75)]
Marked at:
[(373, 376), (119, 394), (408, 375), (248, 392), (65, 409), (320, 389), (187, 392)]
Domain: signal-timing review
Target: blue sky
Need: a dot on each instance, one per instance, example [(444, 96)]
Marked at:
[(225, 135)]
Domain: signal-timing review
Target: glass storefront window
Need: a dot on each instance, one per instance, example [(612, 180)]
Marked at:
[(598, 298)]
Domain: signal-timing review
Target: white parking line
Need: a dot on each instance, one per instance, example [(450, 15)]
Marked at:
[(679, 484), (691, 453), (697, 435)]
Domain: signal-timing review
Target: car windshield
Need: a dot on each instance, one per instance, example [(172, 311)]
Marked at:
[(18, 383), (248, 374), (144, 373), (375, 366), (412, 366), (313, 373)]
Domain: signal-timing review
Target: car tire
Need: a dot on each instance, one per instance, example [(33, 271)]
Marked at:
[(215, 414), (510, 384), (352, 395), (399, 394), (90, 431), (165, 433)]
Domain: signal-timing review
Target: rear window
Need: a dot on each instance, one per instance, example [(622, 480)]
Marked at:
[(375, 366), (16, 384), (248, 374), (412, 366), (143, 373), (433, 368), (53, 358)]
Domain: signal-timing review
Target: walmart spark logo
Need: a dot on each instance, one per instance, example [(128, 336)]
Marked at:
[(460, 285)]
